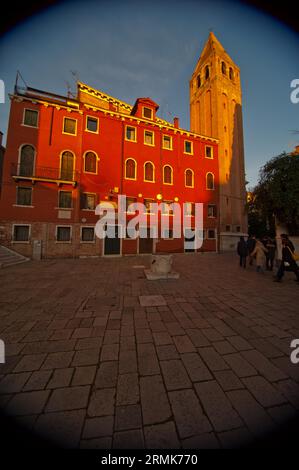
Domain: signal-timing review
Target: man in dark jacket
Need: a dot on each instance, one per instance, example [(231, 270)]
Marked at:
[(251, 242), (242, 251), (287, 257), (270, 255)]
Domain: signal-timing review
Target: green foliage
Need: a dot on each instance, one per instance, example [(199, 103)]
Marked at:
[(277, 193)]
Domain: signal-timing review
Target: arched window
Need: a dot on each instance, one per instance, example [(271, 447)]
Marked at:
[(223, 68), (130, 169), (67, 166), (90, 162), (167, 175), (207, 72), (26, 164), (231, 73), (189, 178), (198, 81), (210, 181), (149, 172)]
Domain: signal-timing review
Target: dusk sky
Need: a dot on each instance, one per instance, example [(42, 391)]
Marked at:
[(149, 48)]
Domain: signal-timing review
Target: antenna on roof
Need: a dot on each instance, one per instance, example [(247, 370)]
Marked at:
[(19, 76)]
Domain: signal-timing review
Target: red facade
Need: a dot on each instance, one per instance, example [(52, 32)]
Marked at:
[(65, 156)]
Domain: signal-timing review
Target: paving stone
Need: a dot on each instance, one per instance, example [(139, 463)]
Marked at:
[(263, 391), (154, 401), (82, 333), (290, 390), (217, 406), (128, 440), (239, 365), (98, 427), (128, 417), (162, 337), (203, 441), (183, 344), (61, 334), (147, 359), (63, 428), (110, 352), (175, 375), (112, 337), (228, 380), (236, 438), (197, 338), (174, 328), (84, 375), (290, 369), (70, 398), (166, 352), (59, 360), (195, 367), (240, 343), (101, 402), (144, 336), (86, 357), (107, 375), (27, 403), (127, 361), (161, 436), (101, 443), (223, 347), (89, 343), (127, 389), (212, 334), (151, 300), (188, 414), (213, 360), (13, 383), (61, 378), (127, 343), (38, 380), (282, 414), (30, 362), (264, 366)]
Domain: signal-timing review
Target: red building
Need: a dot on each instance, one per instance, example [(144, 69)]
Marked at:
[(64, 156)]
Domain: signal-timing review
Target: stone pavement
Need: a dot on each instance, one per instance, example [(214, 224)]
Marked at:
[(88, 366)]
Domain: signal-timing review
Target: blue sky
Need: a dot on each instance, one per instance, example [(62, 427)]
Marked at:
[(131, 49)]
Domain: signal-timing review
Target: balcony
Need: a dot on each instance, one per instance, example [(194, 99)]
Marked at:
[(44, 174)]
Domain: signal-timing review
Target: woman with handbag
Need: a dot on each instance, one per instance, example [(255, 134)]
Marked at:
[(288, 256)]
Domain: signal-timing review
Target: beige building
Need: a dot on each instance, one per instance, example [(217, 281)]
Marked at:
[(216, 110)]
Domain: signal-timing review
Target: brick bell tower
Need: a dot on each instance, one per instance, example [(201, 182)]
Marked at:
[(216, 110)]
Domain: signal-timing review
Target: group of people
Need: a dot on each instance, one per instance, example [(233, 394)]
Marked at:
[(263, 251)]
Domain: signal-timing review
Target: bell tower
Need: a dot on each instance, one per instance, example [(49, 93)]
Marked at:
[(216, 111)]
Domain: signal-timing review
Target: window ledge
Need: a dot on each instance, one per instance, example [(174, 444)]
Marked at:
[(23, 205)]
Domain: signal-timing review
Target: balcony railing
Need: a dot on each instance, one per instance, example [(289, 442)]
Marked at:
[(42, 173)]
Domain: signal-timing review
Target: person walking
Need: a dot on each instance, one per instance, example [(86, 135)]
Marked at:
[(251, 241), (288, 251), (242, 251), (259, 252), (270, 255)]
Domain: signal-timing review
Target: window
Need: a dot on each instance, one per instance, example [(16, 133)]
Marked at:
[(88, 201), (92, 124), (208, 151), (130, 169), (210, 181), (207, 72), (148, 203), (167, 233), (67, 166), (30, 118), (227, 228), (189, 178), (147, 113), (131, 133), (130, 200), (63, 234), (69, 126), (188, 146), (24, 196), (65, 200), (189, 209), (167, 175), (238, 228), (223, 68), (149, 138), (149, 172), (212, 210), (26, 164), (87, 234), (21, 233), (211, 234), (231, 73), (166, 208), (167, 142), (198, 81), (90, 163)]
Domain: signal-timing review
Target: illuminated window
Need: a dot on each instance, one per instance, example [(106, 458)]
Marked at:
[(188, 146), (88, 201), (148, 205), (167, 142), (189, 209), (90, 162), (92, 124), (167, 175), (210, 181), (208, 151), (30, 118), (189, 178), (149, 172), (67, 166), (129, 201), (130, 169), (69, 126), (148, 138), (131, 133)]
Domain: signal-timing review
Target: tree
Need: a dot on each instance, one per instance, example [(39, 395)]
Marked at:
[(277, 192)]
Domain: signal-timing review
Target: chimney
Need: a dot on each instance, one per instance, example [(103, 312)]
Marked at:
[(176, 122)]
